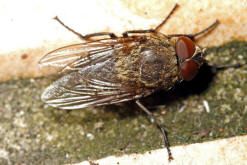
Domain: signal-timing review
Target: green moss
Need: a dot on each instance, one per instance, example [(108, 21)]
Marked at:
[(30, 131)]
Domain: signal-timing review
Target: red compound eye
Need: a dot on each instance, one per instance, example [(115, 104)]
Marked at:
[(189, 70), (185, 48)]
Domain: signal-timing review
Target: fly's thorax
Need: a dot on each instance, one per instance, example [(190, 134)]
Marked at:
[(152, 64), (158, 63)]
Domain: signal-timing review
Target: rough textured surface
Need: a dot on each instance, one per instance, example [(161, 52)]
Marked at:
[(28, 31), (33, 133)]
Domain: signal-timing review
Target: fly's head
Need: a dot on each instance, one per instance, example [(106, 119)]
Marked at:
[(190, 57)]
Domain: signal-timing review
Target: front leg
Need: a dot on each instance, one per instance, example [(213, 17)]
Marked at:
[(192, 36)]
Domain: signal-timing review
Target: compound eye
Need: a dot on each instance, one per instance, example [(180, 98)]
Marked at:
[(185, 48), (189, 69)]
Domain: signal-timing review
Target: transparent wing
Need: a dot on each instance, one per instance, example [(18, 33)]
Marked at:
[(92, 80), (74, 57), (91, 86)]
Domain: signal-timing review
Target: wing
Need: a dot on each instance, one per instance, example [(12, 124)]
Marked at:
[(74, 57), (91, 86), (93, 79)]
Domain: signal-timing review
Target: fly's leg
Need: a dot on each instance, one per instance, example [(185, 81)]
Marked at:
[(192, 36), (111, 35), (125, 34), (88, 36), (167, 17), (217, 68), (162, 129)]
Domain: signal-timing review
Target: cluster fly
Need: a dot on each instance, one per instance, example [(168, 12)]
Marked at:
[(118, 69)]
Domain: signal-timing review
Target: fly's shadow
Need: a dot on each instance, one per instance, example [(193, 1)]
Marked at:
[(196, 86)]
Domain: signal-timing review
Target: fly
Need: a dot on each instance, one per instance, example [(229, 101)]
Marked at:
[(118, 69)]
